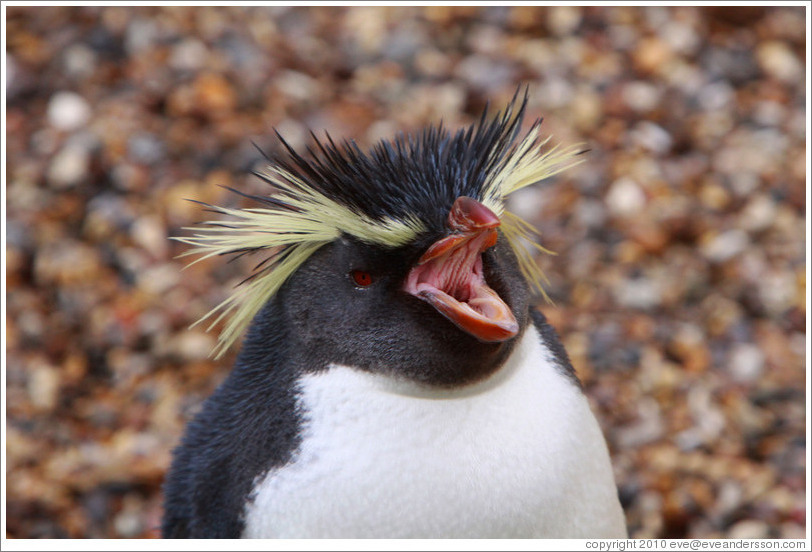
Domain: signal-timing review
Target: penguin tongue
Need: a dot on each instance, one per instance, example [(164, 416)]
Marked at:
[(449, 277)]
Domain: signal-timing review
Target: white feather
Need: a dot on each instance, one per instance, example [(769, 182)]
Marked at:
[(518, 455)]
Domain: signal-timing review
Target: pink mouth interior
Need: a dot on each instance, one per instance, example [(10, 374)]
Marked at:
[(458, 273), (455, 285)]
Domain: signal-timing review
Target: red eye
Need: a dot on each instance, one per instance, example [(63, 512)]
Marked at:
[(361, 278)]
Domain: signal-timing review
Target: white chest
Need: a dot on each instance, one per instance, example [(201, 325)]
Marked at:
[(519, 455)]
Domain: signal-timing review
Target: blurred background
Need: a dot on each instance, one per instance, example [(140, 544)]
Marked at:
[(679, 283)]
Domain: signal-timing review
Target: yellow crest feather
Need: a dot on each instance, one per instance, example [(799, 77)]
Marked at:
[(527, 163)]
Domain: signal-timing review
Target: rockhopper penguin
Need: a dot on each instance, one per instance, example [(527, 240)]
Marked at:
[(395, 380)]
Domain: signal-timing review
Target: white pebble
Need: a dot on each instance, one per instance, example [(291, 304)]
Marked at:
[(43, 387), (192, 345), (749, 529), (590, 213), (142, 34), (777, 291), (625, 197), (639, 293), (128, 525), (68, 111), (296, 85), (158, 279), (189, 55), (652, 137), (526, 203), (681, 37), (641, 96), (80, 61), (150, 233), (746, 362), (69, 166), (759, 213), (555, 92), (564, 20), (725, 245), (647, 428), (716, 96), (779, 61)]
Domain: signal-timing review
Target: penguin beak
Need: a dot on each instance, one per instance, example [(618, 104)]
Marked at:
[(449, 275)]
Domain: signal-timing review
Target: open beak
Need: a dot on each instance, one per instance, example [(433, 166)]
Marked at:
[(450, 278)]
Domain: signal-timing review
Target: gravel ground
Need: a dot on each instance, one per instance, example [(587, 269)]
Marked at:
[(679, 283)]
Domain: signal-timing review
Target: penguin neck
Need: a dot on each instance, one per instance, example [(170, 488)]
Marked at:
[(403, 387)]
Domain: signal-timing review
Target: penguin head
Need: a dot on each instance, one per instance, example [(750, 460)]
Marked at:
[(401, 260), (447, 320)]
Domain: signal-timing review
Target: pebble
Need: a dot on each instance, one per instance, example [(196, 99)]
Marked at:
[(746, 363), (213, 94), (526, 203), (735, 65), (681, 37), (149, 232), (296, 85), (158, 279), (43, 387), (127, 367), (107, 213), (68, 111), (484, 73), (432, 63), (769, 113), (777, 292), (708, 417), (652, 137), (192, 345), (779, 61), (725, 246), (639, 293), (730, 497), (80, 61), (716, 95), (401, 44), (641, 96), (128, 524), (750, 529), (648, 426), (759, 213), (555, 92), (564, 20), (189, 55), (69, 167), (141, 35), (145, 147), (587, 110), (652, 54), (590, 213), (625, 198)]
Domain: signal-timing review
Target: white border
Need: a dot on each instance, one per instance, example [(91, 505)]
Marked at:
[(363, 545)]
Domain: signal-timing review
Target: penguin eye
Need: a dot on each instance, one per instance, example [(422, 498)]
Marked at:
[(361, 278)]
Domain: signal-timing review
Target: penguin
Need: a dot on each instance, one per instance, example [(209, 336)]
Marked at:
[(396, 379)]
